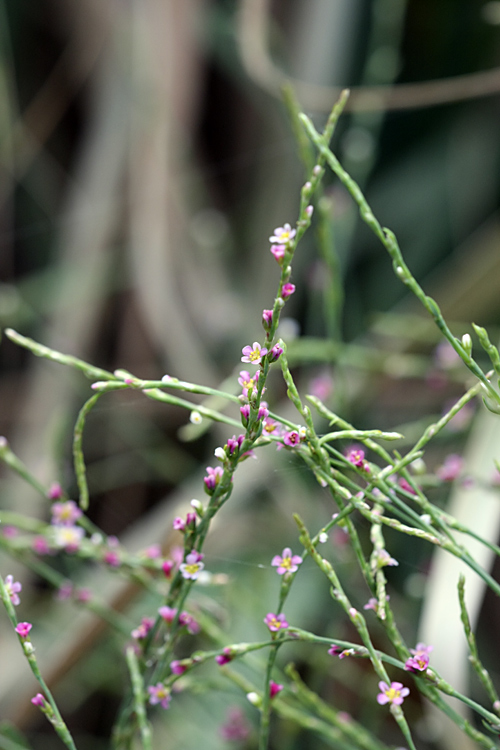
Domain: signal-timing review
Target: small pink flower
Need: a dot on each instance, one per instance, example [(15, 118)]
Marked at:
[(321, 387), (234, 443), (38, 700), (111, 558), (189, 622), (153, 552), (267, 319), (275, 622), (159, 694), (356, 456), (168, 614), (278, 251), (287, 290), (253, 354), (451, 468), (274, 688), (40, 545), (10, 532), (167, 567), (68, 537), (64, 591), (177, 668), (420, 659), (276, 352), (291, 438), (283, 235), (247, 382), (193, 566), (13, 588), (65, 514), (236, 728), (245, 414), (179, 524), (55, 491), (225, 657), (287, 563), (143, 629), (405, 485), (83, 595), (213, 477), (23, 629), (393, 693), (371, 604)]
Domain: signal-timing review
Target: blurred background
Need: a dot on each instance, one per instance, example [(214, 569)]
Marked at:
[(146, 156)]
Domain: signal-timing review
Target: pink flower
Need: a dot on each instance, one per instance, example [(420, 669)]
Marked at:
[(111, 558), (451, 468), (168, 614), (153, 552), (283, 235), (38, 700), (245, 414), (234, 443), (371, 604), (278, 251), (13, 588), (40, 545), (193, 566), (356, 456), (321, 386), (179, 524), (68, 537), (177, 668), (213, 478), (64, 591), (143, 629), (276, 352), (393, 693), (10, 532), (253, 354), (291, 438), (274, 688), (225, 657), (159, 694), (275, 622), (23, 629), (267, 319), (55, 491), (247, 382), (287, 290), (406, 486), (287, 563), (167, 567), (420, 659), (65, 514), (236, 728), (189, 622), (83, 595)]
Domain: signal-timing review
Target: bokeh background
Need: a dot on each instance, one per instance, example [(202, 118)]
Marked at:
[(146, 156)]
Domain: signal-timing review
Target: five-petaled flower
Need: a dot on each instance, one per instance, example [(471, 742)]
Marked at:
[(287, 563), (159, 694), (394, 693), (253, 354), (23, 629), (65, 514), (13, 588), (291, 438), (420, 659), (283, 235), (275, 622), (193, 566), (356, 456)]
